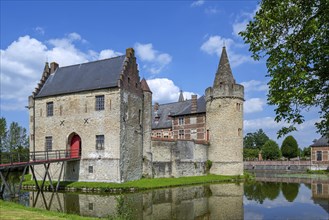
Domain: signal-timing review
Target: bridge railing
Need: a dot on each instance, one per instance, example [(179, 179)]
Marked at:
[(18, 157)]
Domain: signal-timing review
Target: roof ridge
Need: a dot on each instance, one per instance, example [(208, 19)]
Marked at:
[(92, 62)]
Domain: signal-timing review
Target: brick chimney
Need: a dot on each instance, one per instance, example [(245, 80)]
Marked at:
[(194, 106), (53, 67), (156, 106)]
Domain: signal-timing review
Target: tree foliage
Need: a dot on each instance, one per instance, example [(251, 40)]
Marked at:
[(255, 140), (293, 35), (290, 191), (289, 147), (250, 154), (13, 139), (306, 152), (271, 150)]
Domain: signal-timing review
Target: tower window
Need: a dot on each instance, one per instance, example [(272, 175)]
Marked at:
[(91, 169), (50, 109), (99, 103), (239, 132)]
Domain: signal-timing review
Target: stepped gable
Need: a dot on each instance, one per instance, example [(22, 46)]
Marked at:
[(83, 77), (224, 73)]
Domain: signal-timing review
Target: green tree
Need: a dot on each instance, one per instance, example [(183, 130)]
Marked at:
[(289, 147), (249, 153), (3, 135), (255, 140), (306, 152), (271, 150), (293, 35), (17, 138)]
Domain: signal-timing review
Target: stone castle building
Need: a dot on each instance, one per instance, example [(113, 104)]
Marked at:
[(102, 112)]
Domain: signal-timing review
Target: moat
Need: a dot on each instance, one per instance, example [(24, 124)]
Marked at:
[(266, 198)]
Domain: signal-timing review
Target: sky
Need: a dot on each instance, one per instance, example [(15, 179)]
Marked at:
[(177, 45)]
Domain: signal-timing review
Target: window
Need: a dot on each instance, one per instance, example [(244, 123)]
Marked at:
[(50, 109), (91, 206), (319, 155), (158, 134), (181, 121), (90, 169), (49, 143), (99, 142), (181, 134), (239, 132), (319, 188), (99, 104)]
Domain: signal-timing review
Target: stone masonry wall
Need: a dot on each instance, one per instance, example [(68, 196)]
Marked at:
[(225, 125), (178, 158), (76, 114)]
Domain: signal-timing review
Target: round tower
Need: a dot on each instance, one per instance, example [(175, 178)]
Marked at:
[(224, 112)]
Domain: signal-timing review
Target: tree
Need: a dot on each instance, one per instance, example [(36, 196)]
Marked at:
[(306, 152), (17, 137), (293, 35), (271, 150), (249, 153), (290, 191), (289, 147), (3, 135), (255, 140)]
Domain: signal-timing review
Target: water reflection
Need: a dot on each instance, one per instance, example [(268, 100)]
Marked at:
[(218, 201)]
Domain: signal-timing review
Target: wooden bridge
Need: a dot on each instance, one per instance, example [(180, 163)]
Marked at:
[(11, 161)]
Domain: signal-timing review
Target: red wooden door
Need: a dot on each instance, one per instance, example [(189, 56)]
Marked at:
[(75, 146)]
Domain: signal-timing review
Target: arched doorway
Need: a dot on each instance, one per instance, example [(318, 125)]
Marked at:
[(75, 146)]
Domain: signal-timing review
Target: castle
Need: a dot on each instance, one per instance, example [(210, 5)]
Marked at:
[(103, 112)]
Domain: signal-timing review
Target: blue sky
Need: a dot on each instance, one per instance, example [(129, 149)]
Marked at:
[(177, 44)]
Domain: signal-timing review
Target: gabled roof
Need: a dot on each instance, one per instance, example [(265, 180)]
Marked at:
[(165, 112), (84, 77), (323, 141), (145, 87)]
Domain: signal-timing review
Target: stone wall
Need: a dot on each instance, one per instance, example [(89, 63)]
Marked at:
[(225, 125), (178, 158), (147, 132), (76, 114)]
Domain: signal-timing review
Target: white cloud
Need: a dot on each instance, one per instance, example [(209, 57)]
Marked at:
[(40, 30), (253, 105), (241, 22), (165, 91), (214, 45), (211, 10), (104, 54), (20, 72), (254, 85), (197, 3), (154, 61)]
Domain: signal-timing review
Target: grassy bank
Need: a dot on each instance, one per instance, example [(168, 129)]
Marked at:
[(144, 184), (13, 211)]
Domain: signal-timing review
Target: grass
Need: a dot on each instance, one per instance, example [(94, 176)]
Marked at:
[(13, 211), (318, 172), (144, 184)]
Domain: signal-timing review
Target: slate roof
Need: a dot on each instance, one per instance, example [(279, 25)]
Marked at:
[(84, 77), (174, 109), (224, 73), (323, 141)]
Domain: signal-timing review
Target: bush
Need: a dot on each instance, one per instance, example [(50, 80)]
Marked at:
[(271, 150), (289, 147)]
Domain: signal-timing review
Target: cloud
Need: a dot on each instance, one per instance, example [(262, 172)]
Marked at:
[(40, 30), (104, 54), (165, 91), (242, 20), (211, 10), (20, 72), (254, 85), (214, 45), (253, 105), (154, 61), (197, 3)]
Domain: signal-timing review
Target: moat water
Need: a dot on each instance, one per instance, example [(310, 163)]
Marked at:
[(269, 197)]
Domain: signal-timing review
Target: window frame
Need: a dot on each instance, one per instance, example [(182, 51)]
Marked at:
[(48, 143), (181, 121), (99, 102), (318, 155), (50, 109), (100, 139), (181, 134)]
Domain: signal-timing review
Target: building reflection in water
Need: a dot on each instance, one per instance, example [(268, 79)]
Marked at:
[(215, 201), (320, 194)]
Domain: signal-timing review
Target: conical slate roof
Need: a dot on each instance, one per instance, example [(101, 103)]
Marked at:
[(181, 97), (224, 73)]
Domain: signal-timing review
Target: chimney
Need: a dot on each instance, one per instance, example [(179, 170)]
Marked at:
[(156, 106), (130, 52), (194, 106), (53, 67)]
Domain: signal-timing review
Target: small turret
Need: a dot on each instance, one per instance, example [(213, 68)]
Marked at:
[(181, 97)]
